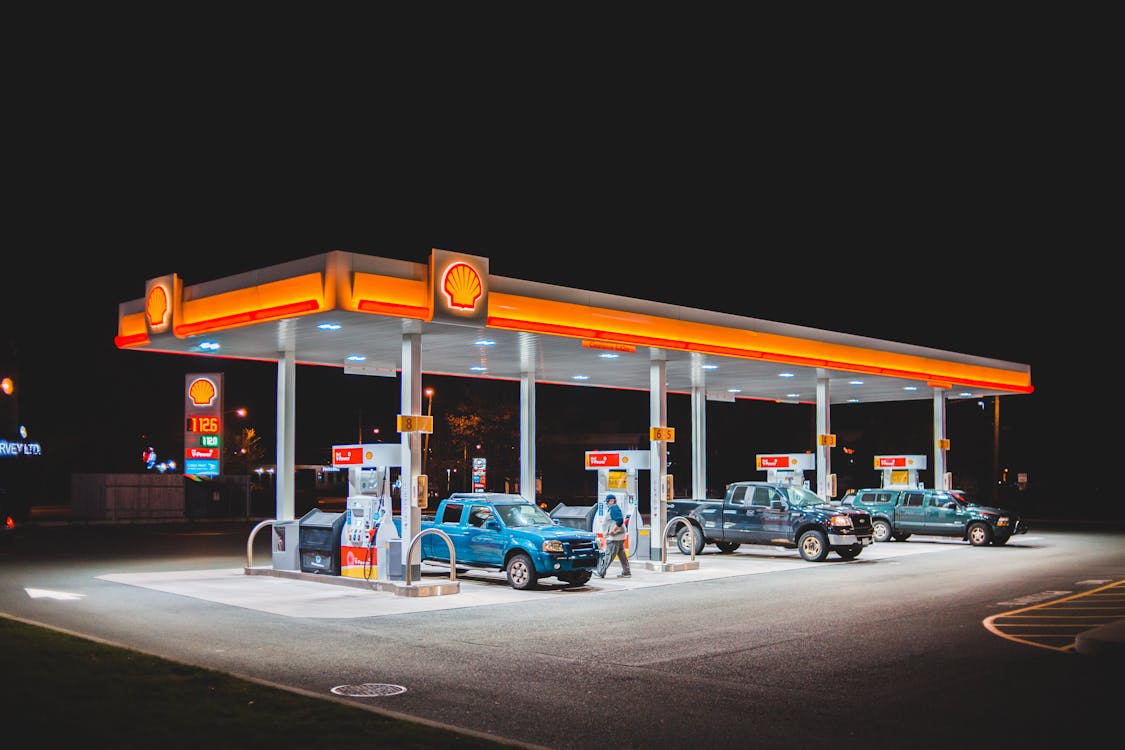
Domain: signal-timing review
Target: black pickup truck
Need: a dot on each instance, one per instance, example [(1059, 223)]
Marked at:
[(774, 514)]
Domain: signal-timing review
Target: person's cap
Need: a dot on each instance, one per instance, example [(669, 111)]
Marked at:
[(610, 497)]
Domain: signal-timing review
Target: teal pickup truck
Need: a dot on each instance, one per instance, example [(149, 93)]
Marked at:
[(898, 513), (507, 532)]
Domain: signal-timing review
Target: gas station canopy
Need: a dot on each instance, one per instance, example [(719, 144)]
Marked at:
[(350, 310)]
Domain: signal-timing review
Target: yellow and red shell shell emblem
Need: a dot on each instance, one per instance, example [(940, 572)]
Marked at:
[(462, 286), (156, 307), (202, 392)]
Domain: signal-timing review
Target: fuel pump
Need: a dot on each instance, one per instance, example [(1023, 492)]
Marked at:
[(617, 476), (786, 468), (358, 555), (900, 471), (369, 523)]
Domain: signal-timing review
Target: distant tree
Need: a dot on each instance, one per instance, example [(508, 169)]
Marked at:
[(489, 424), (246, 450)]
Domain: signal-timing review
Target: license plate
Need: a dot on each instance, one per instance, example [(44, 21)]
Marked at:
[(866, 541)]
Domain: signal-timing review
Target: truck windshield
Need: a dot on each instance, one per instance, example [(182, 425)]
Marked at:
[(523, 515), (801, 497)]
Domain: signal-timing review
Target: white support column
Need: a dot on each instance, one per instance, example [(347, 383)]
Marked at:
[(823, 427), (528, 347), (286, 472), (698, 427), (658, 451), (411, 404), (939, 439)]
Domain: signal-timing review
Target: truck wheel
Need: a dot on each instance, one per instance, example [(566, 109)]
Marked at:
[(682, 540), (850, 553), (813, 545), (901, 537), (727, 546), (580, 578), (521, 573), (1000, 540), (979, 535), (881, 530)]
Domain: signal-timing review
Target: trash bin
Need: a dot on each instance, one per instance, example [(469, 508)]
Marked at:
[(575, 516), (320, 542), (286, 545)]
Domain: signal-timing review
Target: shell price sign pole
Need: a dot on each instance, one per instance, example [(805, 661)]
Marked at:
[(203, 428)]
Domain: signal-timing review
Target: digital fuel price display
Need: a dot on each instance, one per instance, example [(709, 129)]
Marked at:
[(209, 425), (203, 424)]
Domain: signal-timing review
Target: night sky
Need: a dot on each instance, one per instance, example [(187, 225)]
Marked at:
[(973, 230)]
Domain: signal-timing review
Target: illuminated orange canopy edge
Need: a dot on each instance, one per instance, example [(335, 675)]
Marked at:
[(518, 313), (271, 301)]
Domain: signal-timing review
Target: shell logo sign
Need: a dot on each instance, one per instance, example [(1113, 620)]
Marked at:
[(202, 392), (462, 286), (459, 287), (157, 307), (162, 303)]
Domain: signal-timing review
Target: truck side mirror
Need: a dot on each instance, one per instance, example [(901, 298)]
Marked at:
[(492, 524)]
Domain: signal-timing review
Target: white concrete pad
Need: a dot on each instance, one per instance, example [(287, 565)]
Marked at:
[(304, 598)]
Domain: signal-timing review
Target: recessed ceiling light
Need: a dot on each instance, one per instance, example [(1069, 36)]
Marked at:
[(580, 377), (355, 358), (485, 342), (479, 368), (609, 355), (792, 395), (855, 382), (910, 388), (329, 326), (734, 390), (710, 367), (965, 394), (209, 346), (853, 400)]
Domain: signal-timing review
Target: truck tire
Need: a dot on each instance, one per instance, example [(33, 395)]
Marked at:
[(683, 543), (727, 546), (1000, 540), (900, 537), (521, 573), (577, 578), (881, 530), (813, 545), (979, 534), (850, 553)]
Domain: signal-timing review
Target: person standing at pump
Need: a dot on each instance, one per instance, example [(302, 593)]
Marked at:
[(614, 541)]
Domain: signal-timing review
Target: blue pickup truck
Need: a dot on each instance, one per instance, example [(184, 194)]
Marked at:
[(508, 532)]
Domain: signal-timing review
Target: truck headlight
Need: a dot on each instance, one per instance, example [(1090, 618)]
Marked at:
[(841, 521), (1002, 521), (553, 545)]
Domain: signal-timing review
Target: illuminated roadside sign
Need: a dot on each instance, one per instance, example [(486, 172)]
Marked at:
[(203, 412)]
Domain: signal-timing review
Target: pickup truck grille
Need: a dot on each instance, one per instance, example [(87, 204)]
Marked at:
[(578, 547), (861, 523), (583, 553)]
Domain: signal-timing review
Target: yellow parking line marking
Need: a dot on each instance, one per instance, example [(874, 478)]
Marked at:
[(1056, 624)]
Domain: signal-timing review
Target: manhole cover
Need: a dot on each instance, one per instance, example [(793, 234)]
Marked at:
[(368, 690)]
